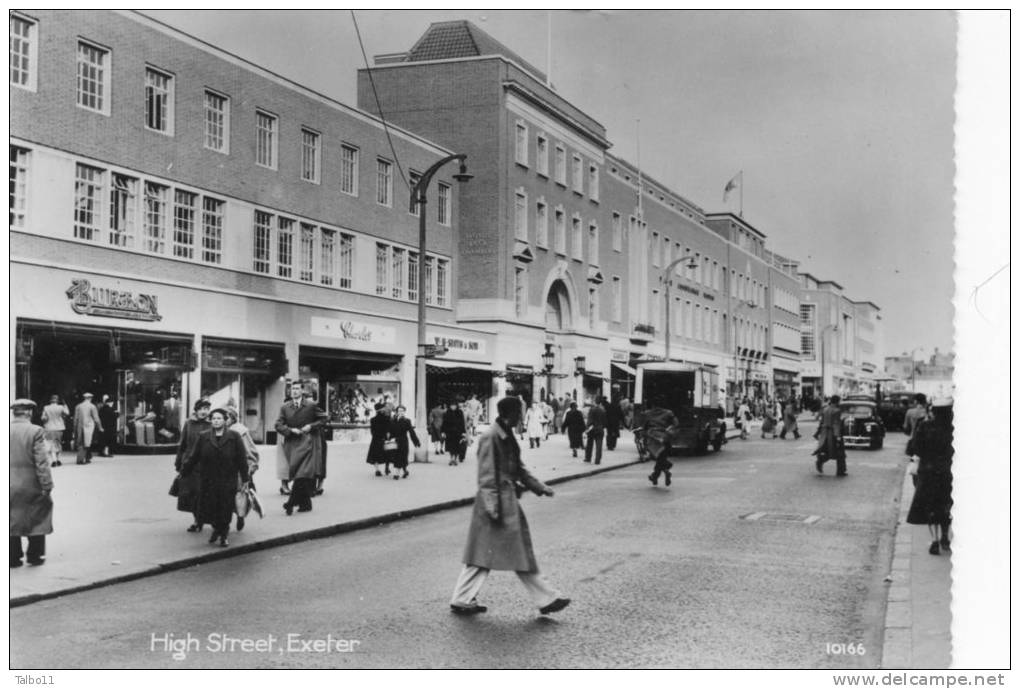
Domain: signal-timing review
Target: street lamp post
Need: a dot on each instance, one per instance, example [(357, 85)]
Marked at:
[(548, 363), (418, 197), (741, 303), (688, 262)]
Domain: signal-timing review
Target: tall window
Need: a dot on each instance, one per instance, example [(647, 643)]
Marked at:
[(593, 244), (306, 255), (156, 202), (593, 307), (262, 242), (310, 156), (561, 164), (349, 170), (184, 224), (577, 238), (688, 319), (93, 77), (327, 257), (123, 210), (159, 101), (593, 182), (542, 155), (217, 122), (617, 232), (430, 279), (443, 206), (520, 291), (412, 179), (383, 182), (88, 201), (521, 143), (521, 216), (617, 299), (578, 174), (212, 230), (346, 267), (442, 276), (541, 224), (18, 185), (285, 248), (412, 276), (697, 322), (560, 231), (382, 268), (656, 250), (265, 139), (656, 310), (23, 52), (398, 271)]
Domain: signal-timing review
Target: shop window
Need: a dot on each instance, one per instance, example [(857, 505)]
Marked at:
[(18, 185)]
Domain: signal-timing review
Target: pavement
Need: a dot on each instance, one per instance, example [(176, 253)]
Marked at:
[(114, 522)]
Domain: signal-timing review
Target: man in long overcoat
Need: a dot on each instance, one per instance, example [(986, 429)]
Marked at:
[(31, 509), (830, 438), (573, 426), (86, 423), (499, 537), (299, 425)]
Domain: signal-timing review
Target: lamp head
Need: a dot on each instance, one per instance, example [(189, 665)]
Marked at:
[(463, 175)]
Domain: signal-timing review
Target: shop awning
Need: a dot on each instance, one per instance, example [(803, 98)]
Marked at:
[(625, 368), (525, 370), (446, 364)]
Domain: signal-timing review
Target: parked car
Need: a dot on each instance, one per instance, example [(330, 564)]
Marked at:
[(862, 426), (893, 408)]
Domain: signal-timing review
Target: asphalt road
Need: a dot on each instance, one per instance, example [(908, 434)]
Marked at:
[(750, 560)]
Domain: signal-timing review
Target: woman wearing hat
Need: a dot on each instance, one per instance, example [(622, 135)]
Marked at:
[(379, 427), (187, 498), (399, 429), (933, 492)]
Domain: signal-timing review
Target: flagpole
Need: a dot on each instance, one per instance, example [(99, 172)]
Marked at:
[(640, 190), (548, 49), (741, 193)]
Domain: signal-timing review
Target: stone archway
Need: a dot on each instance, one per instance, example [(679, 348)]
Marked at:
[(558, 314)]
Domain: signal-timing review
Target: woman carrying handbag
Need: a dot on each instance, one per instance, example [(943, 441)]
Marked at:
[(399, 430)]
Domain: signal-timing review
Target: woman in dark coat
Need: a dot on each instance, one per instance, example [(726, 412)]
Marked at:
[(933, 492), (573, 424), (187, 498), (220, 455), (379, 427), (400, 428), (453, 430)]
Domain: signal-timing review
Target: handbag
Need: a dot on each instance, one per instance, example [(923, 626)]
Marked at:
[(175, 487), (242, 502), (389, 444)]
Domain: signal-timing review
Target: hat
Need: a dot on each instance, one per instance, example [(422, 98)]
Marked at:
[(22, 403), (87, 394)]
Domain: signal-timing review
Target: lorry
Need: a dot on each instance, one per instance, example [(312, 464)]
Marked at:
[(691, 392)]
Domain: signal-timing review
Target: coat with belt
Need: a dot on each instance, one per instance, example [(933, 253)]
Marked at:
[(498, 537), (188, 487), (300, 454), (31, 512)]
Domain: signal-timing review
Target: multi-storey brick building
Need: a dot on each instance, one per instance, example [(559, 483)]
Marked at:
[(186, 223)]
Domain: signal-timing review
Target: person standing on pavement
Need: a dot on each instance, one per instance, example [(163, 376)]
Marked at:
[(573, 426), (659, 426), (596, 429), (556, 420), (222, 458), (379, 428), (300, 425), (251, 453), (86, 423), (789, 420), (453, 430), (31, 508), (108, 417), (830, 438), (400, 429), (499, 537), (53, 416), (436, 427), (472, 413), (742, 418), (187, 498), (768, 424), (913, 417), (614, 420), (933, 490), (533, 423)]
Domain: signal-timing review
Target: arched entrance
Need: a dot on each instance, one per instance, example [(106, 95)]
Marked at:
[(557, 307)]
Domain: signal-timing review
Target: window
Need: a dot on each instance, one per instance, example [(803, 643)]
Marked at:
[(521, 143), (617, 230), (183, 240), (23, 52), (560, 232), (593, 244), (697, 322), (520, 291), (93, 78), (706, 324), (349, 170), (593, 182), (578, 174), (656, 310), (123, 210), (157, 197), (311, 156), (412, 276), (715, 275), (382, 268), (212, 230), (88, 201), (542, 155), (521, 216), (18, 185), (159, 101), (265, 139), (443, 209), (263, 242), (327, 257), (541, 224), (655, 250), (306, 256), (442, 274), (561, 164), (383, 182), (593, 307), (413, 178), (217, 122), (430, 279), (617, 299), (577, 238), (688, 320), (697, 268), (346, 267), (285, 248), (398, 272)]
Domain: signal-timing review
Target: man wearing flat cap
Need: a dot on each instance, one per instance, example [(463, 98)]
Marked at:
[(31, 509), (86, 423)]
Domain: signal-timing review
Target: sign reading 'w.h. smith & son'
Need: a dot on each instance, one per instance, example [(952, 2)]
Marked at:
[(101, 301)]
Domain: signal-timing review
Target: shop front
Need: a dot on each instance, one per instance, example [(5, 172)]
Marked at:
[(622, 376), (239, 374), (784, 383), (520, 382)]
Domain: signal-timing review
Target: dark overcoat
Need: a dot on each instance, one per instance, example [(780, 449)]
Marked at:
[(301, 451), (659, 425), (223, 461), (573, 424), (401, 429), (31, 512), (933, 492), (187, 497), (454, 429), (498, 537), (379, 426), (830, 432)]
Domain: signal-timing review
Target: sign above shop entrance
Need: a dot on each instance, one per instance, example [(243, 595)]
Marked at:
[(113, 303), (455, 343), (353, 331)]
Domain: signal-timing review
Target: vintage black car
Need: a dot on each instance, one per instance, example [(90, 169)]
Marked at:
[(893, 408), (862, 426)]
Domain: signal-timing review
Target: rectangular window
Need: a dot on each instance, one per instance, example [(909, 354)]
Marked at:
[(157, 198), (593, 307), (217, 122), (561, 165), (541, 224), (593, 244), (23, 52), (520, 291), (349, 170), (398, 270), (212, 230), (560, 232), (593, 182), (655, 249), (577, 238), (412, 276), (93, 78), (413, 205), (346, 260), (382, 269), (578, 174), (265, 139), (285, 248), (123, 210), (18, 185), (521, 216), (617, 299), (306, 257), (542, 155), (263, 245), (88, 201), (688, 319), (383, 182), (327, 257), (159, 101), (442, 277), (183, 241), (443, 209), (311, 156), (617, 230), (521, 143), (430, 279), (656, 310)]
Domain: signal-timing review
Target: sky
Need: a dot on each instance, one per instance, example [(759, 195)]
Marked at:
[(841, 122)]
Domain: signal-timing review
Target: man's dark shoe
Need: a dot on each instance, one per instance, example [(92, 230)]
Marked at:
[(35, 562), (843, 474), (467, 609), (555, 606)]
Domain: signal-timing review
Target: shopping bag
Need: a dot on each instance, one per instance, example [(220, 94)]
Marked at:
[(175, 487), (242, 502)]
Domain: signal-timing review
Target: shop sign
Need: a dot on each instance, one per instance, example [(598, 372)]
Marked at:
[(784, 376), (460, 345), (685, 288), (353, 331), (112, 303), (618, 355)]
